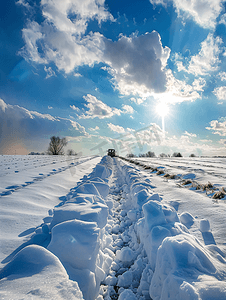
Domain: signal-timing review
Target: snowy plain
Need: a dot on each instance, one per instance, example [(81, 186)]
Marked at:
[(105, 228)]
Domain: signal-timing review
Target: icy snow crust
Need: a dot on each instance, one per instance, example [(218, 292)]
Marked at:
[(113, 237)]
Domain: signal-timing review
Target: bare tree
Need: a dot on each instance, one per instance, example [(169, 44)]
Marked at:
[(177, 154), (71, 152), (56, 145), (163, 155), (150, 154)]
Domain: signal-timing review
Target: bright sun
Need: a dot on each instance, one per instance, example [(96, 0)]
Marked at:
[(162, 109)]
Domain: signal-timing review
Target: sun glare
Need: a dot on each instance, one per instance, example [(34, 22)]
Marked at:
[(162, 109)]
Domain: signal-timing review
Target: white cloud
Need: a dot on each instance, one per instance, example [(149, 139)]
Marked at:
[(220, 92), (199, 84), (128, 109), (31, 35), (116, 128), (137, 100), (49, 72), (203, 12), (61, 37), (222, 76), (137, 63), (74, 107), (223, 19), (207, 60), (98, 109), (190, 134), (218, 127), (179, 90), (94, 129), (222, 142), (23, 3), (72, 16)]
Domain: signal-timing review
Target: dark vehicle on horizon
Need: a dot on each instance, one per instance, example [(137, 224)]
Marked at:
[(111, 152)]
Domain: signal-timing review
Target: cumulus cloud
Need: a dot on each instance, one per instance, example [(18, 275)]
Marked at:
[(199, 84), (220, 92), (137, 63), (207, 60), (116, 128), (98, 109), (222, 76), (128, 109), (203, 12), (18, 123), (61, 37), (218, 127)]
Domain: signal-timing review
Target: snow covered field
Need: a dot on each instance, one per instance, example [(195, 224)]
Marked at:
[(104, 228)]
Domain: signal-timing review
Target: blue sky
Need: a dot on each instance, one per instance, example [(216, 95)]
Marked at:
[(94, 71)]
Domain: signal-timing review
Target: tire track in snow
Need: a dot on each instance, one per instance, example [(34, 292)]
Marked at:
[(131, 262)]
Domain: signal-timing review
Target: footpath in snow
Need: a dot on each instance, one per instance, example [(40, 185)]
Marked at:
[(114, 237)]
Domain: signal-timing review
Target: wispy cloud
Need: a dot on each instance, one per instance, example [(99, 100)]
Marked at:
[(49, 72), (74, 108), (94, 129), (190, 134)]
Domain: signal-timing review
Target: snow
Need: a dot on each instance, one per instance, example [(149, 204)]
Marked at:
[(204, 225), (34, 271), (102, 228)]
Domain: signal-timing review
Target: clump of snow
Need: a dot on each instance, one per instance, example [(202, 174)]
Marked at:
[(125, 254), (86, 211), (186, 219), (132, 215), (78, 237), (127, 295), (204, 225), (125, 280), (153, 214)]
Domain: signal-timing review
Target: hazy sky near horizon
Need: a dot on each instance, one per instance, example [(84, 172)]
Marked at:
[(94, 71)]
